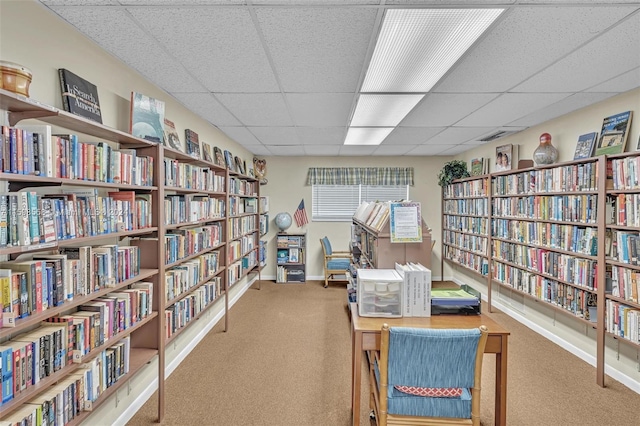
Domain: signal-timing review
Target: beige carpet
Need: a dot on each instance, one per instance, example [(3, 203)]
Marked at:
[(286, 361)]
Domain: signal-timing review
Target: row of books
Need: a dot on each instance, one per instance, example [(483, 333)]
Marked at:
[(188, 176), (373, 214), (262, 253), (416, 289), (238, 248), (284, 241), (470, 224), (623, 209), (239, 186), (566, 208), (570, 178), (624, 173), (264, 224), (192, 208), (474, 206), (34, 150), (568, 297), (625, 282), (471, 188), (181, 313), (48, 280), (563, 267), (28, 218), (239, 226), (468, 259), (286, 274), (238, 205), (623, 246), (623, 320), (264, 204), (469, 242), (181, 243), (579, 239), (61, 403), (182, 278)]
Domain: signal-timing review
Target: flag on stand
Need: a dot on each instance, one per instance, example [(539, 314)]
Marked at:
[(301, 215)]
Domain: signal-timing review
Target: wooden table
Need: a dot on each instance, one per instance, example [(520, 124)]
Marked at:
[(365, 336)]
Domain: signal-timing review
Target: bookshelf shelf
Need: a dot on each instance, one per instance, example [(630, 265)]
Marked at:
[(67, 267), (195, 287), (291, 253), (195, 318), (582, 197)]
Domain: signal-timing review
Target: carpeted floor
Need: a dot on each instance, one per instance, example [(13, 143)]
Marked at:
[(286, 361)]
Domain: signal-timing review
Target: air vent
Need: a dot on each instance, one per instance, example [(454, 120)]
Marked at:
[(497, 135)]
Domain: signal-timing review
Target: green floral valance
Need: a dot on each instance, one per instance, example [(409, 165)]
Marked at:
[(360, 176)]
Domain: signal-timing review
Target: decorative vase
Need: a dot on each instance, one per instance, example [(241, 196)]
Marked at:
[(545, 153)]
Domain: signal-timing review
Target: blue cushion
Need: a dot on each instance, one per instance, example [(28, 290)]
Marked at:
[(411, 405), (327, 246), (338, 264)]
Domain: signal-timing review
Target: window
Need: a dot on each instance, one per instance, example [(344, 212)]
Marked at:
[(339, 202)]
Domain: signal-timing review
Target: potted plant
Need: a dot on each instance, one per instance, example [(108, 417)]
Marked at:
[(452, 170)]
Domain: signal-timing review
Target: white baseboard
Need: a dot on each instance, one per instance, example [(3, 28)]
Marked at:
[(613, 372)]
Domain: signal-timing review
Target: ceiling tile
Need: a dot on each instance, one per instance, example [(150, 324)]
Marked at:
[(609, 55), (358, 149), (325, 150), (500, 61), (257, 109), (272, 136), (445, 109), (287, 150), (258, 149), (240, 135), (565, 106), (207, 107), (393, 149), (316, 2), (457, 135), (446, 2), (80, 2), (429, 149), (622, 83), (510, 107), (113, 30), (180, 2), (317, 49), (411, 135), (320, 109), (207, 41), (322, 135)]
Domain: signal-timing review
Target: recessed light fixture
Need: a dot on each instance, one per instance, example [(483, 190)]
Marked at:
[(367, 135), (415, 48)]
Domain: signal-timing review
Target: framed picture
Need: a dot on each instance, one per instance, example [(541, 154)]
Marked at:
[(504, 157), (586, 144)]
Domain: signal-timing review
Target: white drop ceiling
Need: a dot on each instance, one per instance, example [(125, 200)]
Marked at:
[(281, 77)]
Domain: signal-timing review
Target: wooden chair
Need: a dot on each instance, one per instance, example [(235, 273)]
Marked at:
[(335, 262), (425, 376)]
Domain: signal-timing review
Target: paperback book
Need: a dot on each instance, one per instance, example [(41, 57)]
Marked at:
[(585, 145), (171, 137), (218, 158), (193, 143), (614, 133), (147, 118), (79, 96)]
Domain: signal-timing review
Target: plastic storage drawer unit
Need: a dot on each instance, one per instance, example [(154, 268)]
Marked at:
[(379, 293)]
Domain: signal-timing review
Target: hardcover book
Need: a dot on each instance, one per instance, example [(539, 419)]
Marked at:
[(614, 133), (239, 165), (229, 161), (171, 137), (505, 157), (207, 153), (192, 143), (146, 118), (218, 158), (79, 96), (585, 145), (477, 166)]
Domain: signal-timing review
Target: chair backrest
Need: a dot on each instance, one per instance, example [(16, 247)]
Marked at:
[(326, 245), (434, 358)]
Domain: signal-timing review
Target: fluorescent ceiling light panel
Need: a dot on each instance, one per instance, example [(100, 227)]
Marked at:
[(367, 135), (416, 47), (383, 110)]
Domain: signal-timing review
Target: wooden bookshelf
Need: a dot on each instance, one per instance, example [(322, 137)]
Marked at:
[(291, 254), (549, 238), (146, 334)]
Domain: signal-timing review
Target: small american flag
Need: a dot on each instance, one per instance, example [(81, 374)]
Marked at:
[(301, 215)]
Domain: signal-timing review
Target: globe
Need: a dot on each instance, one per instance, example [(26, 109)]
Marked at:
[(283, 221)]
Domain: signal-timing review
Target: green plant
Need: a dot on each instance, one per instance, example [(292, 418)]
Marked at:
[(452, 170)]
